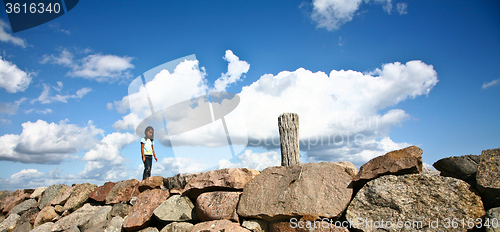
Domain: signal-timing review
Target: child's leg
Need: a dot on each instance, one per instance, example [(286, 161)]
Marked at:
[(147, 167)]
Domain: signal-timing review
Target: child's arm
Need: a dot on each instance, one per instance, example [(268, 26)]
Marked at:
[(142, 152), (154, 153)]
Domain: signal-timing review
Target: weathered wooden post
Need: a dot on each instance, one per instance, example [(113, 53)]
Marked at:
[(288, 124)]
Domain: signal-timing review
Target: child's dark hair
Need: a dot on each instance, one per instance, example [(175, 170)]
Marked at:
[(148, 129)]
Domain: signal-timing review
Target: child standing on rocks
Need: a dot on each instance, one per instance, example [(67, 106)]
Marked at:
[(147, 151)]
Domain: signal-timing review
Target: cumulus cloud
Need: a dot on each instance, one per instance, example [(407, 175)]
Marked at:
[(235, 69), (102, 68), (332, 14), (250, 159), (104, 161), (46, 98), (8, 38), (42, 142), (171, 166), (12, 78), (491, 83)]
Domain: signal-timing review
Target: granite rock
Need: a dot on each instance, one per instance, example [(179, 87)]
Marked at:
[(178, 227), (256, 225), (79, 196), (76, 219), (24, 206), (122, 192), (176, 208), (217, 205), (153, 182), (399, 162), (218, 225), (460, 167), (413, 198), (140, 214), (488, 177), (38, 193), (49, 194), (312, 190), (46, 227), (493, 217), (219, 180), (99, 194), (47, 214)]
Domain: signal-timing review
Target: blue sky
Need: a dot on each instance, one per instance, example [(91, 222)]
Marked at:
[(380, 74)]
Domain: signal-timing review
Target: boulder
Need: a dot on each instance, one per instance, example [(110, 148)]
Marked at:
[(217, 205), (217, 226), (305, 226), (122, 192), (76, 219), (115, 225), (5, 194), (25, 221), (219, 180), (178, 227), (47, 214), (488, 177), (50, 193), (349, 167), (153, 182), (18, 197), (9, 223), (418, 199), (23, 207), (493, 219), (79, 196), (99, 194), (399, 162), (140, 214), (99, 217), (178, 181), (62, 196), (256, 225), (460, 167), (120, 209), (38, 193), (46, 227), (312, 190), (176, 208)]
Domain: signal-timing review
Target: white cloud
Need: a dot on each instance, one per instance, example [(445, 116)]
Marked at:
[(332, 14), (8, 38), (42, 142), (46, 98), (105, 161), (102, 68), (127, 122), (172, 166), (45, 111), (12, 78), (11, 108), (491, 83), (402, 8), (235, 69), (250, 159)]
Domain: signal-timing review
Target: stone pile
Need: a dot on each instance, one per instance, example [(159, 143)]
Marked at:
[(389, 193)]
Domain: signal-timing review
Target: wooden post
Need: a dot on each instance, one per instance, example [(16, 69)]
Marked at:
[(288, 124)]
